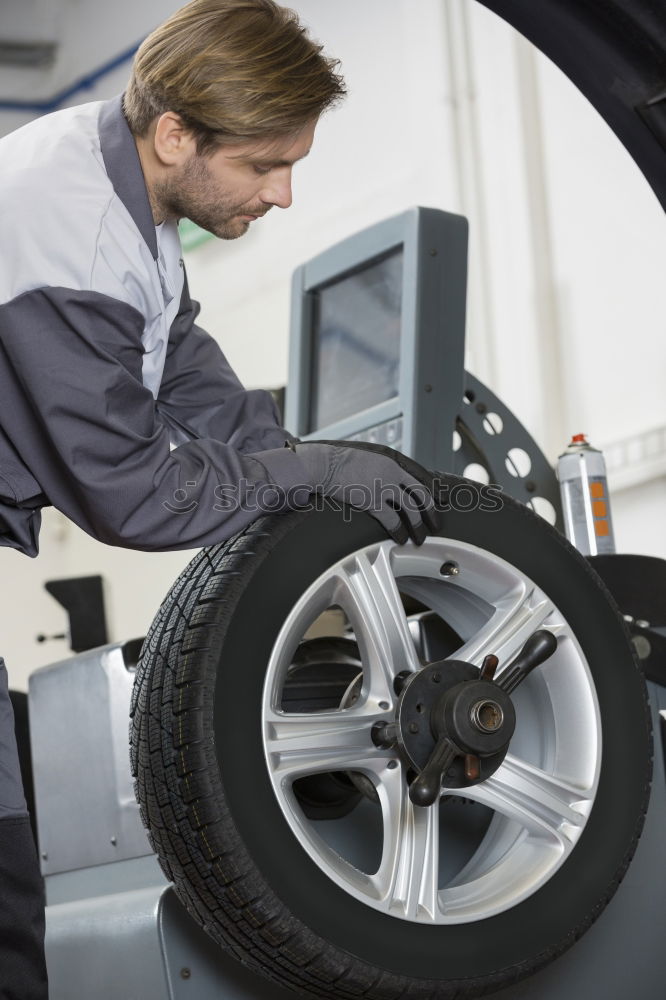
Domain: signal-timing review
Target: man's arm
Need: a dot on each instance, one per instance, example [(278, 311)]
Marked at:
[(201, 396), (75, 409)]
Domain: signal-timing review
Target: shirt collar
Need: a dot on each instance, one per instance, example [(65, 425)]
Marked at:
[(123, 166)]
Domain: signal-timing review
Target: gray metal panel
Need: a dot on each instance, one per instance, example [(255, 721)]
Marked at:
[(141, 946), (107, 948), (104, 880), (300, 356), (438, 360), (86, 810)]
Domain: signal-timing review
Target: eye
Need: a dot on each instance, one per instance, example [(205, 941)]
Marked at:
[(260, 170)]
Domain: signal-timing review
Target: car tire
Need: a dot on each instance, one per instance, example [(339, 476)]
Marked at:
[(233, 847)]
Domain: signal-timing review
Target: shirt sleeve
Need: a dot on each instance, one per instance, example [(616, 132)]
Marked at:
[(75, 409), (201, 396)]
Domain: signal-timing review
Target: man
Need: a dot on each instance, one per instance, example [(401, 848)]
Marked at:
[(114, 406)]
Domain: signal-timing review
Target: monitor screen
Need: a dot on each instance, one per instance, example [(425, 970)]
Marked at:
[(356, 341)]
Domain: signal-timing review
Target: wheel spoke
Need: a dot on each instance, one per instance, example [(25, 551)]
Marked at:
[(407, 879), (367, 591), (549, 808), (304, 743), (516, 618)]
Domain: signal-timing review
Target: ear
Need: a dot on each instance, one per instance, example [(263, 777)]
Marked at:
[(173, 143)]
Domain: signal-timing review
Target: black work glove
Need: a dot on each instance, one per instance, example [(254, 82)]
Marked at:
[(370, 478)]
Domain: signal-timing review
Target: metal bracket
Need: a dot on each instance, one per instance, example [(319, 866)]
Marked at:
[(490, 442)]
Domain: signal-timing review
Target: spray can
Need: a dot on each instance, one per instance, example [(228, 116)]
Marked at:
[(581, 471)]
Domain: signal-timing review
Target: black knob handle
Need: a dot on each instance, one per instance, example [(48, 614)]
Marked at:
[(425, 789), (539, 647)]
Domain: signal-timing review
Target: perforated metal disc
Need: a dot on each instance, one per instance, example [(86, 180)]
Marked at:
[(492, 446)]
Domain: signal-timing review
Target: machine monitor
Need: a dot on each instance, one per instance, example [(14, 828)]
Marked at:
[(377, 338)]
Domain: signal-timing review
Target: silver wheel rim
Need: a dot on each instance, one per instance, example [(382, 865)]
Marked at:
[(536, 804)]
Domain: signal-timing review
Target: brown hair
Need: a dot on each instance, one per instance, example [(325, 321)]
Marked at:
[(233, 70)]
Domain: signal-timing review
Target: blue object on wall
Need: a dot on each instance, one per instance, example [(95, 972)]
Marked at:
[(83, 83)]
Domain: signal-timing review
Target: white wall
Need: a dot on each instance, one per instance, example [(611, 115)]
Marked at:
[(571, 247), (448, 108)]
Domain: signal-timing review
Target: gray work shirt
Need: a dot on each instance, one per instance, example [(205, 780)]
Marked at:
[(115, 406)]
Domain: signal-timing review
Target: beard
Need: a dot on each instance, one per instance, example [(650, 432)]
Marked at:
[(193, 194)]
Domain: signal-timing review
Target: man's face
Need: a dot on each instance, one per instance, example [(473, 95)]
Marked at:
[(227, 190)]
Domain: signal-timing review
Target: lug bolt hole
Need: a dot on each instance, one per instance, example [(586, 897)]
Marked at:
[(400, 680), (420, 707)]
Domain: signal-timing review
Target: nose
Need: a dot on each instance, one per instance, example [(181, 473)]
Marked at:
[(278, 191)]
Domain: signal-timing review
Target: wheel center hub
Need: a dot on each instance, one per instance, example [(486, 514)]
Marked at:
[(447, 698), (454, 722)]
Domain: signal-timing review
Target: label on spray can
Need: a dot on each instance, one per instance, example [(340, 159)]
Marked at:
[(581, 471)]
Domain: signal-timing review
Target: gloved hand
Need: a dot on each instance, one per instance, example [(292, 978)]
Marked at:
[(371, 480)]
